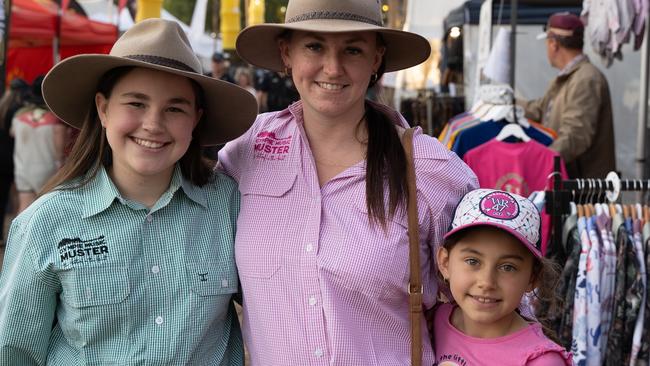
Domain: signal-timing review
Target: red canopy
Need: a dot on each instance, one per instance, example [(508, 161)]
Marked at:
[(33, 29)]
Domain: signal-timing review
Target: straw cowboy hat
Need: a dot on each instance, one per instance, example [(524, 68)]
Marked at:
[(257, 44), (69, 88)]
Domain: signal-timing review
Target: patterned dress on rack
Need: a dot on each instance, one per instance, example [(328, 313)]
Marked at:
[(579, 343)]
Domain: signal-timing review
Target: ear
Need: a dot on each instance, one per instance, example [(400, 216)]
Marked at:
[(379, 57), (101, 103), (443, 262), (283, 44)]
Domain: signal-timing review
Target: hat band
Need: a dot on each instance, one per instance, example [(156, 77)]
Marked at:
[(337, 15), (162, 61), (560, 32)]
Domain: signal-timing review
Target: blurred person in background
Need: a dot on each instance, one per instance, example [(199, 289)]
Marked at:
[(39, 145), (220, 67), (11, 101), (244, 78)]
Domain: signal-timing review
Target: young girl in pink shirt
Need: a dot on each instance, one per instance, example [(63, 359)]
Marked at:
[(490, 259)]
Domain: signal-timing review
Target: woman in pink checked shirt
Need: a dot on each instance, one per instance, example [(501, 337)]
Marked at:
[(321, 245)]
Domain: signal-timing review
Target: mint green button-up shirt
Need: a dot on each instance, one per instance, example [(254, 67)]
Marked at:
[(90, 278)]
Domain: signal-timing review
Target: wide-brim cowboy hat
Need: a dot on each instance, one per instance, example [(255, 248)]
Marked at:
[(69, 88), (258, 45)]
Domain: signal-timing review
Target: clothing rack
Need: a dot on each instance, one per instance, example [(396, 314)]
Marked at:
[(558, 198)]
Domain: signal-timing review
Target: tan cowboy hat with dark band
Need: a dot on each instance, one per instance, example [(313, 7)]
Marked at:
[(70, 87), (258, 45)]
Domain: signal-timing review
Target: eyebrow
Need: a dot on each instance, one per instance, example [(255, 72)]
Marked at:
[(141, 96), (508, 256)]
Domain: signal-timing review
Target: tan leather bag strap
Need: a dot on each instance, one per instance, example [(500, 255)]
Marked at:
[(415, 282)]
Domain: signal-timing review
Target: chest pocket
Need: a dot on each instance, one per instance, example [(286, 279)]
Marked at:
[(212, 278), (265, 202), (373, 262), (95, 286)]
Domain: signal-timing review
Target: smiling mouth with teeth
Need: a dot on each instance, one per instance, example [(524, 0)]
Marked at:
[(147, 143), (484, 300), (330, 86)]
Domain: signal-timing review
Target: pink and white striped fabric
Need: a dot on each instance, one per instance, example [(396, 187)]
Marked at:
[(321, 286)]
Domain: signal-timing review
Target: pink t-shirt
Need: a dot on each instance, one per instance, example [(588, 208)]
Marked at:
[(528, 346), (520, 168)]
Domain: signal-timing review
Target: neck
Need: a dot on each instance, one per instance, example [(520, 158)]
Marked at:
[(335, 131), (144, 190), (500, 328), (563, 58)]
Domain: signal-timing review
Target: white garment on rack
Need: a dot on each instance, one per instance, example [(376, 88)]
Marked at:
[(638, 327), (594, 318), (608, 273)]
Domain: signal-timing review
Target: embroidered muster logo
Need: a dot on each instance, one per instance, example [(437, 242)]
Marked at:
[(269, 147), (202, 276), (499, 205), (74, 251)]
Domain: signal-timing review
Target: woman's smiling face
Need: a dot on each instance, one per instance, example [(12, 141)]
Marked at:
[(331, 71)]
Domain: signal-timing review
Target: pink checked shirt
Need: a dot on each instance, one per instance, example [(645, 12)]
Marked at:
[(321, 286)]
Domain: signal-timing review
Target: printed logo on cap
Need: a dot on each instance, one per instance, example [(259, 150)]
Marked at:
[(500, 206)]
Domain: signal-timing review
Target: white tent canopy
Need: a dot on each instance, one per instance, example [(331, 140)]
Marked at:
[(202, 43)]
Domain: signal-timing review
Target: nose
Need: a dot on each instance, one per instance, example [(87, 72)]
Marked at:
[(152, 121), (332, 64), (486, 279)]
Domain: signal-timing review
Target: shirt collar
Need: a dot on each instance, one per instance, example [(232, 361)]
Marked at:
[(568, 68), (103, 192)]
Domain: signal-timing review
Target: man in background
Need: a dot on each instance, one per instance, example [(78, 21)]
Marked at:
[(220, 66), (577, 104)]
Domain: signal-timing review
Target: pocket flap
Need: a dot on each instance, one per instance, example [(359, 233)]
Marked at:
[(95, 286), (212, 278), (267, 181)]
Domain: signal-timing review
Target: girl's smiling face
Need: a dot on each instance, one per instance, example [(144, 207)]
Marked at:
[(489, 271), (149, 119)]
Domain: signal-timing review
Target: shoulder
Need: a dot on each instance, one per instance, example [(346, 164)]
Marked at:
[(221, 189), (551, 358), (542, 351), (587, 72), (48, 214), (433, 161)]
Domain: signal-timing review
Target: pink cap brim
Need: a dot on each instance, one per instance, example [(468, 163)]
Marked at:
[(510, 230)]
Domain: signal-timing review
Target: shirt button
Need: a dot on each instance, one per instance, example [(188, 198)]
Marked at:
[(318, 352), (309, 248), (159, 320), (224, 283), (155, 269), (149, 218), (312, 301)]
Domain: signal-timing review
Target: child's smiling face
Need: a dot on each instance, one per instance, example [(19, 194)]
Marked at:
[(489, 271)]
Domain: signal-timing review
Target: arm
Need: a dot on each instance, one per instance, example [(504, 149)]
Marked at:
[(579, 119), (27, 305), (533, 108)]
